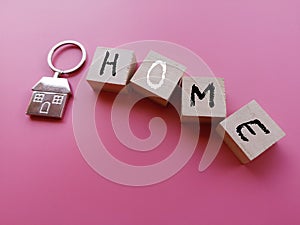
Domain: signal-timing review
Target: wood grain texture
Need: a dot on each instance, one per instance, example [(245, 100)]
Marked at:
[(203, 97), (149, 78), (101, 72), (250, 131)]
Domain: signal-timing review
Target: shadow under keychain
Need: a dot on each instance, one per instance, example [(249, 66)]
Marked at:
[(50, 94)]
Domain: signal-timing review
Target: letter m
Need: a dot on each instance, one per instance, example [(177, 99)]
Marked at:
[(201, 95)]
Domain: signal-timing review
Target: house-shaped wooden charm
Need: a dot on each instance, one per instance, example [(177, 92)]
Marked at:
[(49, 97)]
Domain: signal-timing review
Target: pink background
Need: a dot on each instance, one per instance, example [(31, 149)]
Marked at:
[(254, 45)]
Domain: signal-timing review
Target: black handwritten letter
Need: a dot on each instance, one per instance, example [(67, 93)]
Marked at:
[(247, 125), (201, 95), (113, 63)]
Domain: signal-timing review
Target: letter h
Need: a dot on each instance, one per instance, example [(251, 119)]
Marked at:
[(113, 63)]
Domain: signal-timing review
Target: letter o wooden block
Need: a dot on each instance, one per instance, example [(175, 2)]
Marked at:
[(157, 77), (249, 132), (111, 69)]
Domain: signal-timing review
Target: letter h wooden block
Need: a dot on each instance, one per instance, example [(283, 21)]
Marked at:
[(111, 69), (157, 77), (249, 132), (204, 98)]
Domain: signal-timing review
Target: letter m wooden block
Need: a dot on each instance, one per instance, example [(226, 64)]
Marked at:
[(111, 69), (203, 97), (249, 132)]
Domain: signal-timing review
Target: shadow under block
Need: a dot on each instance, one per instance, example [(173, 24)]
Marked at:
[(204, 98), (111, 69), (249, 132), (157, 77)]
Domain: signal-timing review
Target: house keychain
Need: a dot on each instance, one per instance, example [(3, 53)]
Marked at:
[(50, 94)]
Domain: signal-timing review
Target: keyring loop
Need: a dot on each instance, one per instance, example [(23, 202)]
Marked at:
[(58, 45)]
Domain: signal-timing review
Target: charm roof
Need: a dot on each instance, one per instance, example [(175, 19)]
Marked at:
[(51, 84)]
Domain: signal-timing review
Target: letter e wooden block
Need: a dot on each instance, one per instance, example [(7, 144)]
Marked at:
[(111, 69), (157, 77), (203, 97), (249, 132)]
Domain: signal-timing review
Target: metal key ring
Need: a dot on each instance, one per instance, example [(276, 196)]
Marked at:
[(60, 44)]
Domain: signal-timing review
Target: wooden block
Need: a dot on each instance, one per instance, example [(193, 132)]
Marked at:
[(157, 77), (111, 69), (249, 132), (203, 97)]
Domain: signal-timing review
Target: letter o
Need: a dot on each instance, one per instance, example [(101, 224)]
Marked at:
[(163, 76)]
